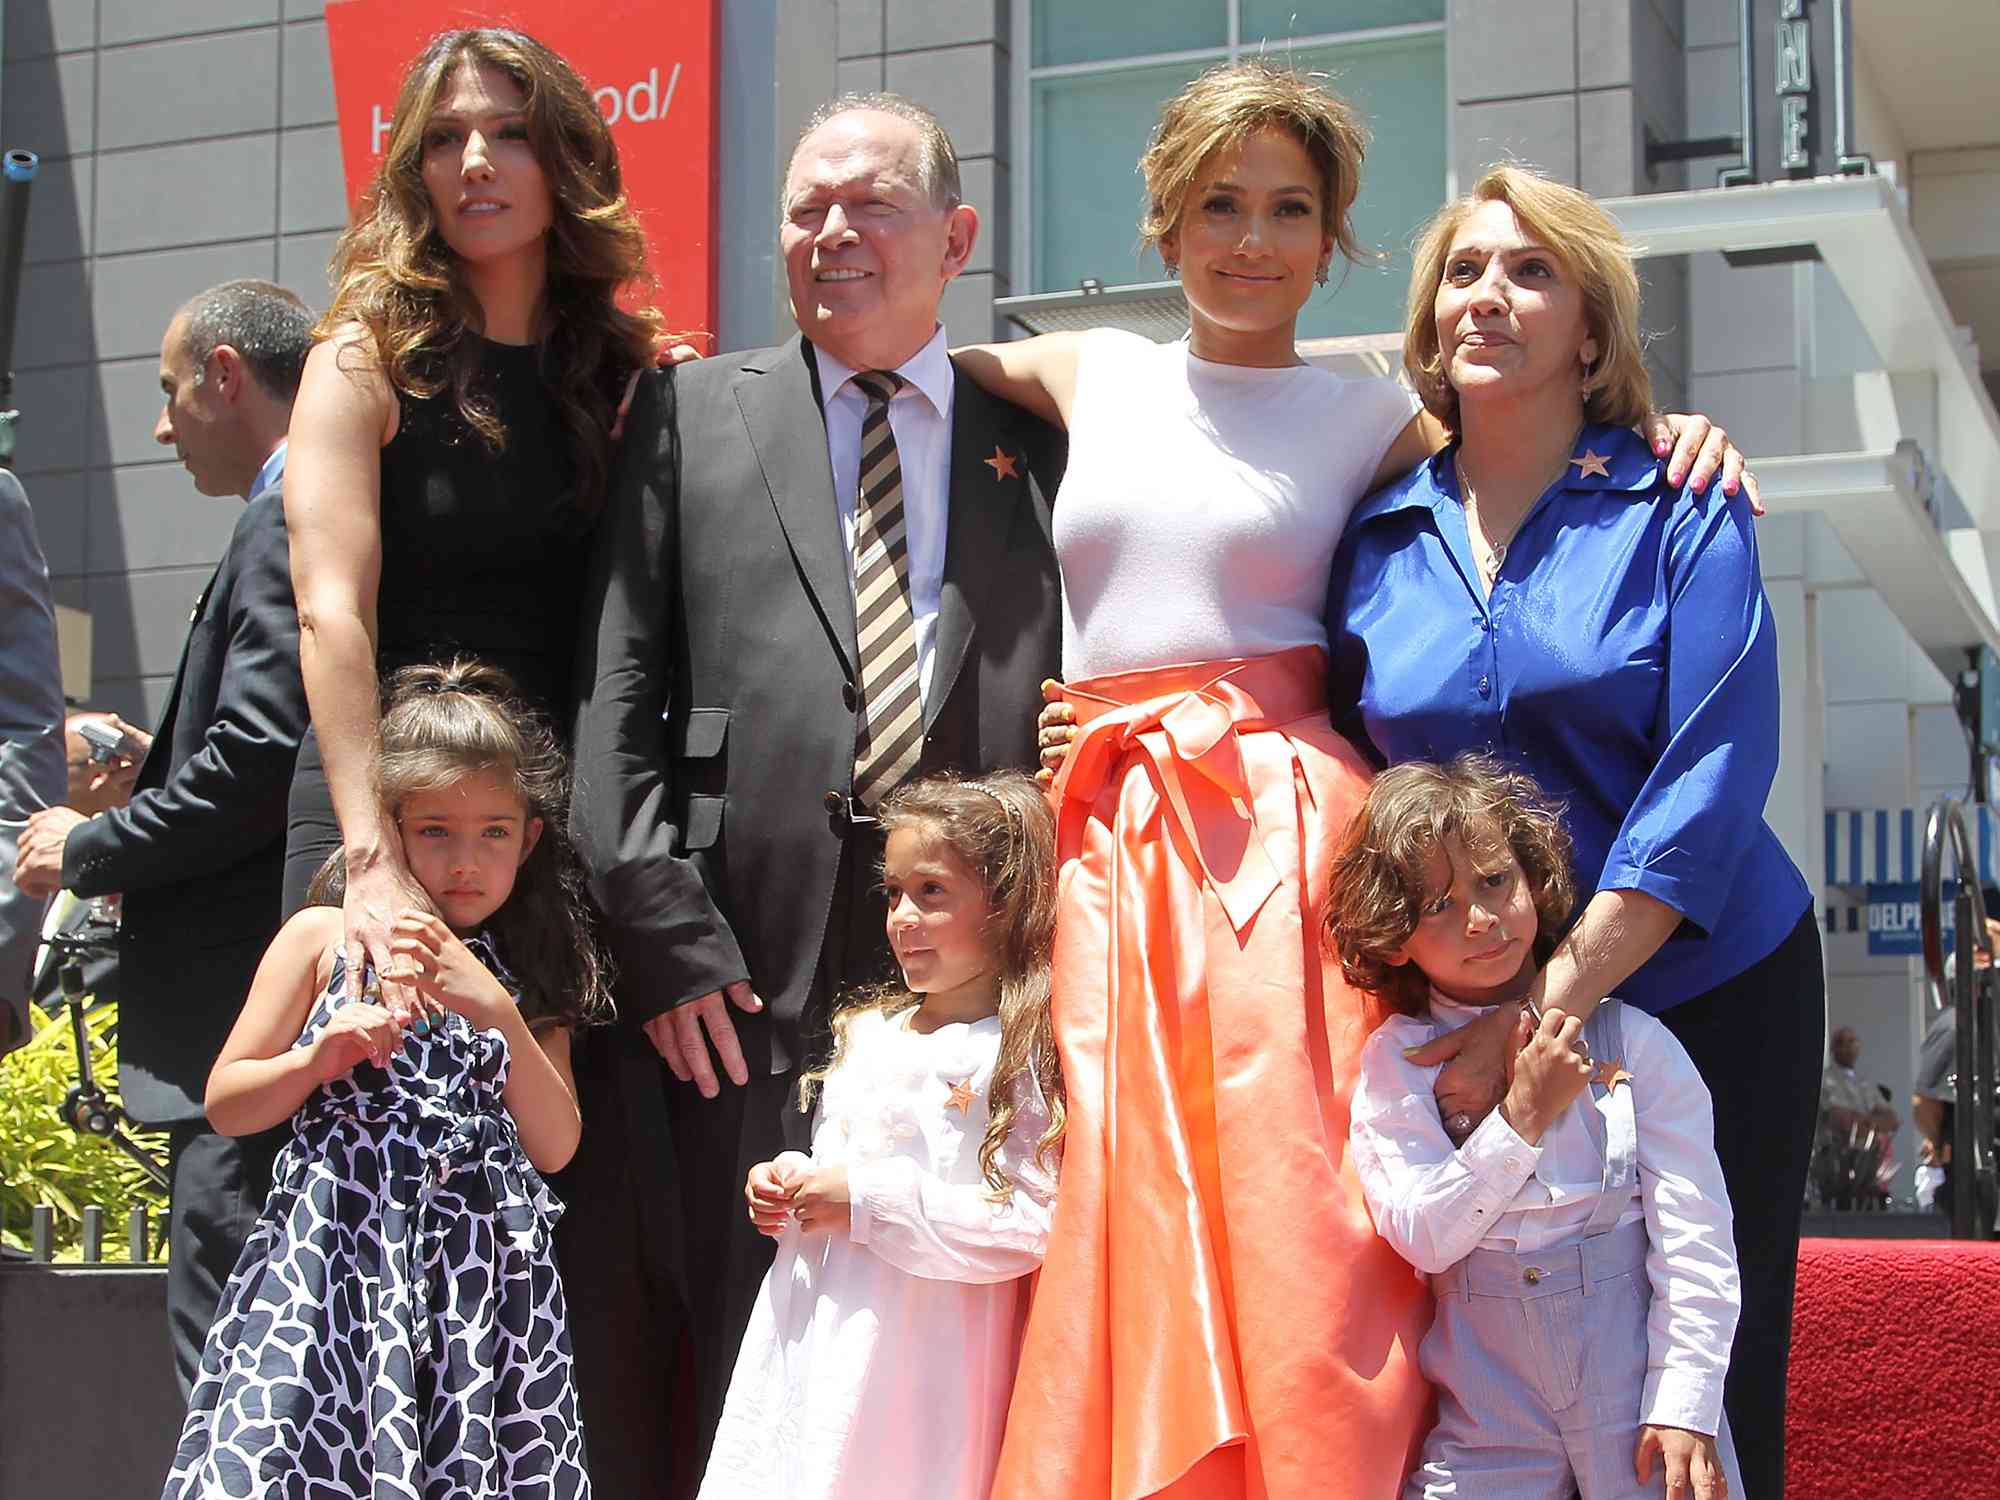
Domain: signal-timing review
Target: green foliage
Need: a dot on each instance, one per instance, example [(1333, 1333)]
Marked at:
[(43, 1161)]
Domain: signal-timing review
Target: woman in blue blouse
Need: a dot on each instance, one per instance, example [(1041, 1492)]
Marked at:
[(1540, 590)]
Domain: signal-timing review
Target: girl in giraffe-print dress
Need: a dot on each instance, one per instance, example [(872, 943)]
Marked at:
[(395, 1326)]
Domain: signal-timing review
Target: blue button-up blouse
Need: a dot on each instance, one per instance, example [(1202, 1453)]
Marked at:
[(1625, 658)]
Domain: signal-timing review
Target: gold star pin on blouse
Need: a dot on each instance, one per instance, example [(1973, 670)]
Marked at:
[(1608, 1075), (961, 1096), (1592, 464)]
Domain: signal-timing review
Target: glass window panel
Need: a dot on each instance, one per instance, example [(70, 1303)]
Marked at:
[(1273, 22), (1088, 134), (1399, 88), (1073, 31)]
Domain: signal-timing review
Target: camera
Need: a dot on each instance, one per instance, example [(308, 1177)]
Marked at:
[(106, 744)]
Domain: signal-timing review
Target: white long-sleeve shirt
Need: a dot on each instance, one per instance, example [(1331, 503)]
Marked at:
[(878, 1363), (1436, 1204)]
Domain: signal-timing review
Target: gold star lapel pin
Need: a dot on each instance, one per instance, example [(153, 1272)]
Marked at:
[(1608, 1075), (1592, 463), (1002, 464), (962, 1096)]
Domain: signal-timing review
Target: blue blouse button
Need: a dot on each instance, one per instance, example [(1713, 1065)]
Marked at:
[(1486, 687)]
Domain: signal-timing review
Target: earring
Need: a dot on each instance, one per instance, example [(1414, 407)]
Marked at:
[(1173, 270), (1320, 275)]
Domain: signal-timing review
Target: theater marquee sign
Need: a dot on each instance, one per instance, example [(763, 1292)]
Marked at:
[(652, 66), (1798, 92)]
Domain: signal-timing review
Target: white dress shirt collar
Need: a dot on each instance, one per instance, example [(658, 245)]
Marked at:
[(271, 471), (929, 370)]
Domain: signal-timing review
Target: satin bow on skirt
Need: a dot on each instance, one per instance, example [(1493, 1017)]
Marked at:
[(1216, 1317)]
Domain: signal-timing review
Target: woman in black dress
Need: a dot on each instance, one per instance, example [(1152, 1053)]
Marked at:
[(449, 451), (453, 431)]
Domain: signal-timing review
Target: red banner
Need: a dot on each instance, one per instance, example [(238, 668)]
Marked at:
[(652, 66)]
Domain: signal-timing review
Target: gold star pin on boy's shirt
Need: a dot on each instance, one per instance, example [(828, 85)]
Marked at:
[(1001, 463), (1591, 464)]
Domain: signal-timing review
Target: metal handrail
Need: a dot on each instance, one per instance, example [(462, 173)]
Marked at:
[(1968, 989)]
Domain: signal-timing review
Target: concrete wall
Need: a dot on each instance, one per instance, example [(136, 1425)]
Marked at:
[(182, 143)]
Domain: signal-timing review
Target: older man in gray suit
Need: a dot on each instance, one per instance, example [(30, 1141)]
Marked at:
[(741, 731)]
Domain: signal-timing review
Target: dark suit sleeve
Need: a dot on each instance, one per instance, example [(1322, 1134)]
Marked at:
[(670, 940), (32, 775), (227, 800)]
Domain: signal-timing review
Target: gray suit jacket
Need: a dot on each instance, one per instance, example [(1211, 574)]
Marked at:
[(32, 771), (719, 664)]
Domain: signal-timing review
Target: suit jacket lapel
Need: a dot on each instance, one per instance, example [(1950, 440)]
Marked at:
[(983, 504), (154, 771), (780, 405)]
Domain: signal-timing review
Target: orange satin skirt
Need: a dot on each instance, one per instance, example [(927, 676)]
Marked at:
[(1216, 1318)]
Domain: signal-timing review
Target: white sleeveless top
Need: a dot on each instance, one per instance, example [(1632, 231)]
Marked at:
[(1199, 513)]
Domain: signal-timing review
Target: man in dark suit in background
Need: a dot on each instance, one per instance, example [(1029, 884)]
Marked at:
[(199, 850), (740, 730)]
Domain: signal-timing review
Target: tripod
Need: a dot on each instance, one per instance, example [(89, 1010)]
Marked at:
[(86, 1108)]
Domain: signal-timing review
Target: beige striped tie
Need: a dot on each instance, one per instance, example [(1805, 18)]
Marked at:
[(890, 737)]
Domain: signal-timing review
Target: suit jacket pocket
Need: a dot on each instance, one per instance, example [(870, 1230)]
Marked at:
[(700, 773), (704, 824), (699, 735)]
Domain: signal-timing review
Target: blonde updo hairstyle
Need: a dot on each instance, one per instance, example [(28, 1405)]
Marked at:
[(1616, 387), (1228, 104)]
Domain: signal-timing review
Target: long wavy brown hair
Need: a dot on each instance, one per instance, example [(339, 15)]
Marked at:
[(396, 277), (1000, 828)]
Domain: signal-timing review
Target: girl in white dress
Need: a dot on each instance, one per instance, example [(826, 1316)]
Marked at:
[(880, 1355)]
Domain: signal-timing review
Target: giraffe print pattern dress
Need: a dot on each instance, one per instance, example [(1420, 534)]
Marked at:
[(395, 1326)]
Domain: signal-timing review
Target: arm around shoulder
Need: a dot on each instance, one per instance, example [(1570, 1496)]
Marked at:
[(1038, 374)]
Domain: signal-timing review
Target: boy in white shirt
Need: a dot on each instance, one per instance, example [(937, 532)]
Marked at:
[(1578, 1241)]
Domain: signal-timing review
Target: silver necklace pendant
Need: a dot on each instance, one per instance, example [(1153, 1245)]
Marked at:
[(1496, 559)]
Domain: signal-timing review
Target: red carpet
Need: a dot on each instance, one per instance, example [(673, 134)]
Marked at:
[(1895, 1383)]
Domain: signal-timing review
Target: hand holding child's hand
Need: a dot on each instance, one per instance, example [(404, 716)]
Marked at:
[(819, 1202), (1549, 1072), (428, 956), (768, 1190), (1692, 1467), (359, 1032)]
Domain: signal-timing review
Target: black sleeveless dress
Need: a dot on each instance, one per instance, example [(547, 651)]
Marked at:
[(482, 553)]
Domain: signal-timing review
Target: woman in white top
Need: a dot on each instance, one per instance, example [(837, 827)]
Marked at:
[(1217, 1316)]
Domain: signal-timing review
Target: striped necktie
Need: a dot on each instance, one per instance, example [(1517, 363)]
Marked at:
[(890, 736)]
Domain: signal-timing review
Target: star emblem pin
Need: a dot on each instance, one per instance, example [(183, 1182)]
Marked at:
[(961, 1096), (1608, 1075), (1001, 463), (1592, 463)]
